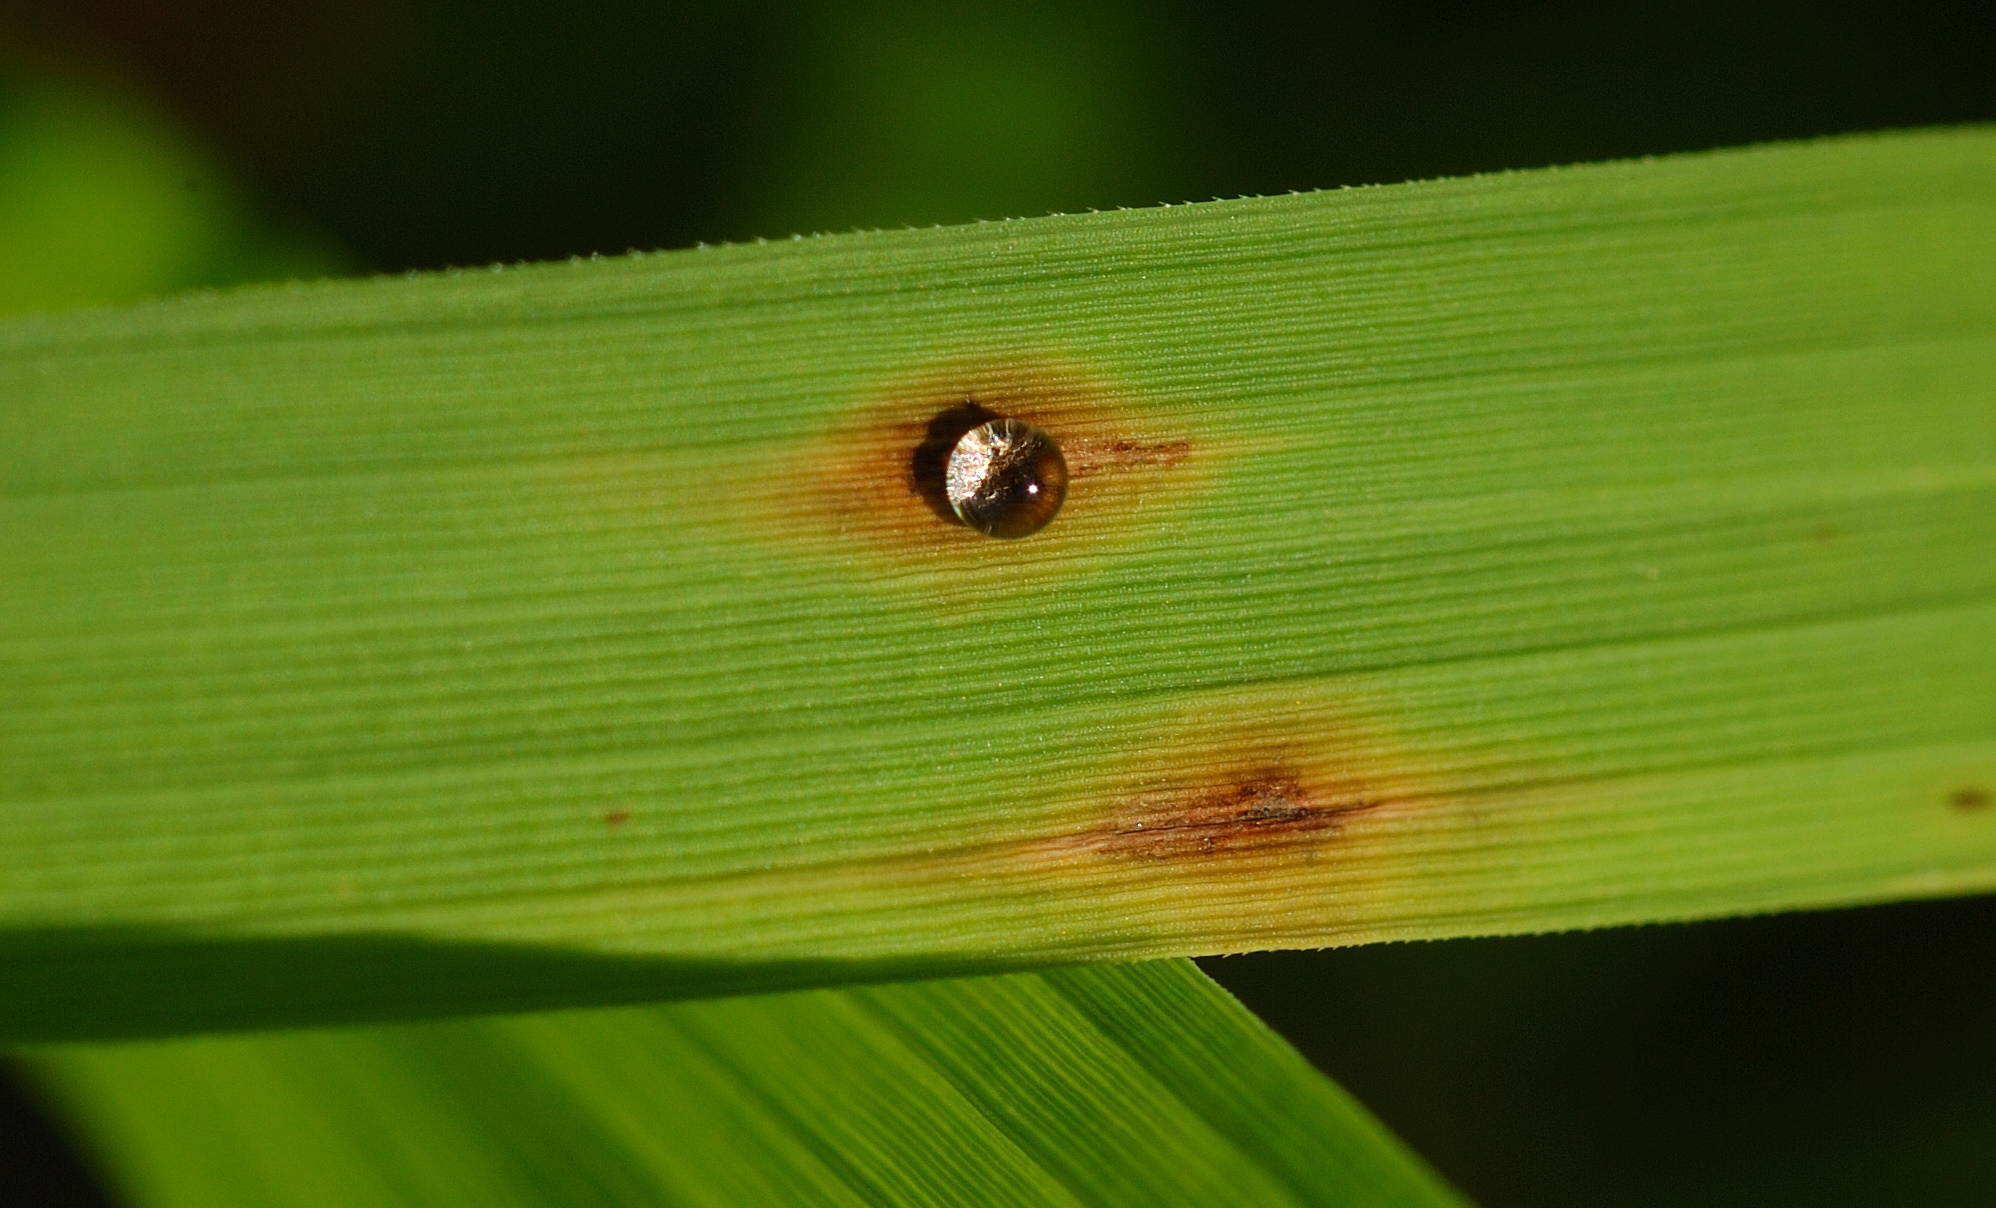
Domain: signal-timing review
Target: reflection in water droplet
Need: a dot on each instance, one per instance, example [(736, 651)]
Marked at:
[(1005, 478)]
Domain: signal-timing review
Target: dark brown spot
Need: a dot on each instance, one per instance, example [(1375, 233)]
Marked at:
[(617, 817), (1969, 798)]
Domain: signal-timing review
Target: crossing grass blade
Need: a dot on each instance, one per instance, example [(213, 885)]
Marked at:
[(1140, 1084), (1546, 550)]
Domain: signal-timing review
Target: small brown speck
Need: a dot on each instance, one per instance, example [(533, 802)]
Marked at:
[(1969, 798), (617, 817)]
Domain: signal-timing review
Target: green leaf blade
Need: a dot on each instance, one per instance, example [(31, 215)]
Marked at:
[(1548, 550), (1104, 1087)]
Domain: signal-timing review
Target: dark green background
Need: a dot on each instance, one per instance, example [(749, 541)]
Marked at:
[(1841, 1058)]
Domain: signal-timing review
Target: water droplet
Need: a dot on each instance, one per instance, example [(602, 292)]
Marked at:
[(1005, 478)]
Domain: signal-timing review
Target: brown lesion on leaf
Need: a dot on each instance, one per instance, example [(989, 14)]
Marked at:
[(1242, 780), (1261, 809), (859, 485), (1117, 456), (1970, 798)]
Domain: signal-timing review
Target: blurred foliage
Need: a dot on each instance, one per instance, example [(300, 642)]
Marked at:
[(1837, 1058), (432, 132), (103, 201)]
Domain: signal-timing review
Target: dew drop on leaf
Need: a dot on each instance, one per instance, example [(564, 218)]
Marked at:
[(1005, 478)]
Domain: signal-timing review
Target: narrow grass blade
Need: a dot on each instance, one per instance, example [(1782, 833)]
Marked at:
[(1132, 1085), (1546, 550)]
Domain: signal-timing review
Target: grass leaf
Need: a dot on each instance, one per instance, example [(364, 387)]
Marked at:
[(1544, 550), (1142, 1084)]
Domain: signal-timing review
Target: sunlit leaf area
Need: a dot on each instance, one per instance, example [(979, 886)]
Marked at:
[(502, 702)]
